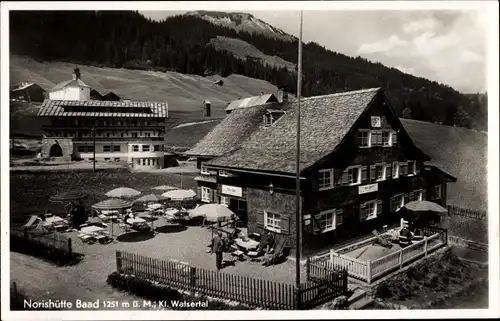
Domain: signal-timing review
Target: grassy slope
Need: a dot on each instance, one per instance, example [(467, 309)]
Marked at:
[(184, 93)]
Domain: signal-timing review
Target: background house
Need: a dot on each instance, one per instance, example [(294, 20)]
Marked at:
[(30, 92)]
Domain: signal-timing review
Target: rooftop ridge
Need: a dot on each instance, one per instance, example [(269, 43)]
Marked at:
[(346, 93)]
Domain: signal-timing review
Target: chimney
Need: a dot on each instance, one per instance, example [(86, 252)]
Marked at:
[(282, 95), (206, 108), (76, 74)]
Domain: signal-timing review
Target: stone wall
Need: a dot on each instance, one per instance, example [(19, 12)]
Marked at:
[(66, 145)]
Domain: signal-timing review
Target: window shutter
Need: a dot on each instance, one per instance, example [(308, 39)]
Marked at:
[(358, 138), (284, 224), (339, 217), (417, 166), (345, 178), (379, 207), (364, 174), (394, 138), (260, 217), (362, 212), (406, 199), (315, 224), (401, 169), (198, 191), (388, 170), (372, 172), (392, 204), (412, 196), (211, 195), (405, 168), (337, 176), (424, 195)]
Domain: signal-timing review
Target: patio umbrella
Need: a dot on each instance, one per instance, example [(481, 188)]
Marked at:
[(164, 188), (212, 212), (179, 194), (150, 198), (68, 196), (112, 204), (422, 212), (123, 192)]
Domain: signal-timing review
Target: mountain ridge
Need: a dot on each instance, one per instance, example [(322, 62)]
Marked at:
[(129, 40)]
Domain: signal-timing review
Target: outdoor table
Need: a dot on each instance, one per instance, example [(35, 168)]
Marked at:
[(91, 229), (247, 245), (155, 206)]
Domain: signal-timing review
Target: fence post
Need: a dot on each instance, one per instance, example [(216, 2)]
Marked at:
[(298, 297), (425, 246), (119, 261), (369, 271), (400, 259), (192, 277), (308, 268), (70, 247), (331, 255), (344, 276)]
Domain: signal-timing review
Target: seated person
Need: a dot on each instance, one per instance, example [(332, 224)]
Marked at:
[(267, 242)]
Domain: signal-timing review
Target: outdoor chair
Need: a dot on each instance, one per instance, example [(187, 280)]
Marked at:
[(86, 238)]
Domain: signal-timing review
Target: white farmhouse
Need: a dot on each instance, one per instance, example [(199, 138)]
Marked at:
[(74, 89)]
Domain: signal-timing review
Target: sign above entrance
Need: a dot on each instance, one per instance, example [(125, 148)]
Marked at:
[(368, 188), (232, 190)]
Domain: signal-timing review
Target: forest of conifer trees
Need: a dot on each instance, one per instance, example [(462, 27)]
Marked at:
[(129, 40)]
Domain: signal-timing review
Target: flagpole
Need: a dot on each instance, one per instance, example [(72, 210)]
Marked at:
[(298, 218)]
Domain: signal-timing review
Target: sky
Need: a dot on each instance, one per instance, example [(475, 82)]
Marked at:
[(445, 46)]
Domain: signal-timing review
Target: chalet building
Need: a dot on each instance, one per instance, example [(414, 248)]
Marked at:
[(73, 89), (29, 92), (131, 132), (358, 167)]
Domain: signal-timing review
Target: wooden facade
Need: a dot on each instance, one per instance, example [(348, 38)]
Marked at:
[(389, 173)]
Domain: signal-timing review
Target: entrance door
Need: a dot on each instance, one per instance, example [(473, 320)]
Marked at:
[(55, 151)]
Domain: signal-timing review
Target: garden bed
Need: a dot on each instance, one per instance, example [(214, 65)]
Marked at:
[(427, 283)]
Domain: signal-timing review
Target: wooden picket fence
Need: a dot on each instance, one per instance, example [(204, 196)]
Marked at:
[(455, 210), (250, 291)]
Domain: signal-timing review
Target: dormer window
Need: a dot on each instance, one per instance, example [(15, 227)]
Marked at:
[(223, 173), (272, 116)]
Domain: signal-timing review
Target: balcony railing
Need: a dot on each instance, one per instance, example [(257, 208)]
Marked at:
[(121, 139)]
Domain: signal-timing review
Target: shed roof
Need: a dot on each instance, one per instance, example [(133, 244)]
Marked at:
[(251, 101), (98, 108)]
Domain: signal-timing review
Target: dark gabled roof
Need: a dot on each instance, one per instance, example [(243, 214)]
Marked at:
[(70, 83), (231, 132), (325, 121), (98, 108), (24, 86), (460, 152), (251, 101)]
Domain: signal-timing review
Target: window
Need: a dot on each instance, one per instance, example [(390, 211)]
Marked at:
[(437, 192), (354, 175), (268, 119), (135, 148), (81, 149), (326, 221), (106, 148), (145, 148), (156, 148), (364, 138), (368, 210), (149, 162), (417, 195), (134, 135), (395, 169), (412, 168), (325, 179), (90, 149), (223, 173), (224, 200), (116, 148), (121, 134), (108, 134), (242, 205), (398, 202), (386, 138), (379, 172), (147, 134), (403, 169), (205, 194), (272, 117), (272, 221), (204, 170), (107, 159)]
